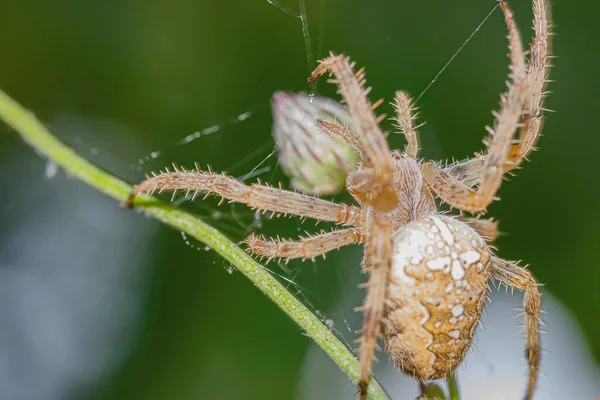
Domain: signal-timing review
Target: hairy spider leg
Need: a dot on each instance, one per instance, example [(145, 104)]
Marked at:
[(469, 171), (377, 170), (378, 259), (486, 228), (455, 192), (262, 197), (405, 116), (341, 132), (537, 81), (305, 248), (518, 277)]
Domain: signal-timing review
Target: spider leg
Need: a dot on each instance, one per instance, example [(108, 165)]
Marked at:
[(517, 277), (486, 228), (337, 131), (261, 197), (308, 247), (467, 171), (455, 192), (405, 117), (537, 80), (373, 144), (378, 259)]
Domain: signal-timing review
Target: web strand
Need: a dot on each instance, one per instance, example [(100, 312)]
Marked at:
[(196, 135), (303, 17), (283, 8), (310, 58), (457, 52)]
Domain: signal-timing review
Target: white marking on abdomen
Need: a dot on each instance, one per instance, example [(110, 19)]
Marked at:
[(446, 234)]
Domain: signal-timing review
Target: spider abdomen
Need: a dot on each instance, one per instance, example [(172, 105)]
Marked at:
[(436, 294)]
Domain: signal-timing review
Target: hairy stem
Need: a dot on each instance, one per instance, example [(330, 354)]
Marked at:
[(36, 135)]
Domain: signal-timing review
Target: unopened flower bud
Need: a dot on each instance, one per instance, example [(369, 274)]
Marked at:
[(316, 163)]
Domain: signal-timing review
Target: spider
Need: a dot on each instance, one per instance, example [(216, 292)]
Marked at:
[(429, 272)]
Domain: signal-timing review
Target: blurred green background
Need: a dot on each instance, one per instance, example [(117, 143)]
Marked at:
[(120, 79)]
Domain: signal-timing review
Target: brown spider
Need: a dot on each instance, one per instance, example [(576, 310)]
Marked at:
[(428, 272)]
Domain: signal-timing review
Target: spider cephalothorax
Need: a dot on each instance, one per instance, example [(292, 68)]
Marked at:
[(428, 271)]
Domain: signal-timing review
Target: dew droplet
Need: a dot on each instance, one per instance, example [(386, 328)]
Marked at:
[(51, 169)]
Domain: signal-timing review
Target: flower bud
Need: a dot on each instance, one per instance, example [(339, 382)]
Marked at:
[(316, 163)]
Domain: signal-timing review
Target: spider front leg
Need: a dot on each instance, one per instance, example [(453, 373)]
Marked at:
[(261, 197), (378, 167), (455, 192), (537, 80), (517, 277), (378, 259), (305, 248)]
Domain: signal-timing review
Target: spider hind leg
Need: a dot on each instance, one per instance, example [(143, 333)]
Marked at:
[(517, 277), (305, 248)]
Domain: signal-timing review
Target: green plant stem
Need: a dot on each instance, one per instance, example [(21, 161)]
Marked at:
[(36, 135), (453, 387)]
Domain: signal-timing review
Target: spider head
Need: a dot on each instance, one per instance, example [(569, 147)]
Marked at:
[(405, 199)]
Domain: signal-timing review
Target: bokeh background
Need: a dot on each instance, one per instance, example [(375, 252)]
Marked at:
[(100, 302)]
